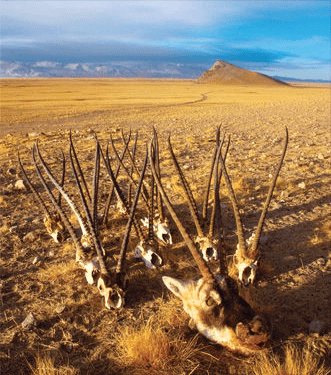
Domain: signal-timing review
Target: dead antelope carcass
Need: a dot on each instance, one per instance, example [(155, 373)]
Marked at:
[(213, 302)]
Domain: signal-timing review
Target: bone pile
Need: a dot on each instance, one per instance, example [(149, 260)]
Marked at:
[(137, 192)]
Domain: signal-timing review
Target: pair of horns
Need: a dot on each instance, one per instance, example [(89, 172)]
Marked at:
[(206, 273)]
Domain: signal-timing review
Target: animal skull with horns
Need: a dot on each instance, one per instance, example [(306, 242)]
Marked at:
[(89, 251), (213, 302)]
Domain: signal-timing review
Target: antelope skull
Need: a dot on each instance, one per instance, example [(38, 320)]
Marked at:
[(208, 248), (213, 302), (53, 223), (247, 254), (146, 253), (161, 230)]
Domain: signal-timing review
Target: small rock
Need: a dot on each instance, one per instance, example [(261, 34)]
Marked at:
[(302, 185), (36, 260), (60, 308), (29, 237), (20, 185), (320, 156), (276, 205), (316, 326), (33, 134), (29, 321), (284, 194), (321, 262), (13, 229)]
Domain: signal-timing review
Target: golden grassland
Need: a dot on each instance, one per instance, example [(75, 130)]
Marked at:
[(24, 101), (74, 333)]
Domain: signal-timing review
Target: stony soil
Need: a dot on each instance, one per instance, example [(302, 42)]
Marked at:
[(40, 277)]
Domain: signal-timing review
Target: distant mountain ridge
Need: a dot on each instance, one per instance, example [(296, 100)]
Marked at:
[(117, 69), (224, 73), (120, 69)]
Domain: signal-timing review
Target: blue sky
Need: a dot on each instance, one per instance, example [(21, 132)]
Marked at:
[(284, 38)]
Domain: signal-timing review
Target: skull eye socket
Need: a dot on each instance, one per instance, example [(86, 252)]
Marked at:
[(247, 274), (210, 301), (210, 252), (166, 238), (155, 260)]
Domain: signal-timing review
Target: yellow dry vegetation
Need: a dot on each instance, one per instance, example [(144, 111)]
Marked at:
[(27, 100), (150, 334), (295, 361)]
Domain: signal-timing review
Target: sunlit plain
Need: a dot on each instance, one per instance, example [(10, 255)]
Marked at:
[(86, 338)]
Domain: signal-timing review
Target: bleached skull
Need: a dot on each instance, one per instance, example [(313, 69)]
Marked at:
[(246, 265), (114, 295), (207, 248), (247, 269), (146, 252), (161, 230)]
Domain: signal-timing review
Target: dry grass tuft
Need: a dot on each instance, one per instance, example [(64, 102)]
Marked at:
[(241, 186), (145, 346), (294, 362), (149, 348), (55, 271), (45, 365)]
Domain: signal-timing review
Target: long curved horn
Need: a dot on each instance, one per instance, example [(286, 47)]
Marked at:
[(215, 214), (216, 218), (205, 201), (188, 192), (197, 257), (90, 219), (121, 196), (258, 230), (240, 230), (62, 177), (160, 207), (80, 190), (65, 220), (95, 186), (134, 149), (63, 192), (110, 195), (34, 191), (121, 259), (144, 187), (127, 172), (78, 166)]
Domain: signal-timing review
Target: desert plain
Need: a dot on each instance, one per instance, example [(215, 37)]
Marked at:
[(72, 331)]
